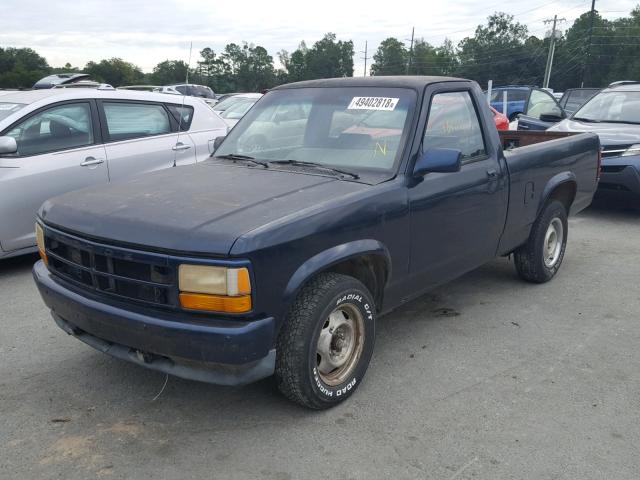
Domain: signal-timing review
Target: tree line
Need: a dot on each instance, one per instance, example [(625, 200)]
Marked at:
[(502, 50)]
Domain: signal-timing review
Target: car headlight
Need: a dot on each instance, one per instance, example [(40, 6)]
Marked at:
[(632, 150), (214, 289), (40, 242)]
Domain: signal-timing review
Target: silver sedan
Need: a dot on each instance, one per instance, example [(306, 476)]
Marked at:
[(58, 140)]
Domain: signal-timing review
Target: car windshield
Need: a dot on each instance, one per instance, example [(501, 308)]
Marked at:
[(349, 128), (612, 106), (7, 109), (227, 102), (236, 111)]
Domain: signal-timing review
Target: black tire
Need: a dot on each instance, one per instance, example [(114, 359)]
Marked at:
[(298, 349), (534, 262)]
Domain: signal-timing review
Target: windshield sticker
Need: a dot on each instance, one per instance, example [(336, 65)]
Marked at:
[(373, 103)]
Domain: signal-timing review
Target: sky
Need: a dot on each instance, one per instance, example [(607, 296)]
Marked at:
[(147, 32)]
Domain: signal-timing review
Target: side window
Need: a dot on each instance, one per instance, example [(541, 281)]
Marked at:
[(183, 89), (541, 103), (453, 123), (186, 112), (135, 120), (57, 128)]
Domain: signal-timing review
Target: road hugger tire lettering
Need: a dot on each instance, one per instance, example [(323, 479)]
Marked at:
[(326, 342), (540, 258)]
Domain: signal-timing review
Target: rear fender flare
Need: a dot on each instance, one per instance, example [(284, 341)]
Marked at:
[(556, 181)]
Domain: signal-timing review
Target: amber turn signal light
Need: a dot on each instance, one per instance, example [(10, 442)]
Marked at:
[(215, 303)]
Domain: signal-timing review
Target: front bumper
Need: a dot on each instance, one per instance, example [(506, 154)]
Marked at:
[(221, 351), (620, 174)]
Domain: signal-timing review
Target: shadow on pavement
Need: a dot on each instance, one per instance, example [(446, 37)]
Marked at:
[(17, 264)]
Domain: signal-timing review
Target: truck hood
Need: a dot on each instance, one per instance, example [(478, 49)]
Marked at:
[(611, 134), (198, 209)]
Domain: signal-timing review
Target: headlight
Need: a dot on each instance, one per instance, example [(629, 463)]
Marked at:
[(40, 242), (212, 288), (632, 150)]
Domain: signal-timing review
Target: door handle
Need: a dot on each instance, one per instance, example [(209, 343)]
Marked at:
[(523, 127), (180, 146), (91, 161), (492, 174)]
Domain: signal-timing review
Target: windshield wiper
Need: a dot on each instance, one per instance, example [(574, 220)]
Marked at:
[(242, 158), (319, 166), (588, 120)]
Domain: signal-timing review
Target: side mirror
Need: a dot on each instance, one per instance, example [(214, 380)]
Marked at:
[(217, 142), (443, 160), (8, 145), (551, 117)]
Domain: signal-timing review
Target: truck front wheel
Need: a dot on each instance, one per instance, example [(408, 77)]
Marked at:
[(326, 342), (540, 258)]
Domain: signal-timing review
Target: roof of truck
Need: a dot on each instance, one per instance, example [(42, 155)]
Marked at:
[(414, 82)]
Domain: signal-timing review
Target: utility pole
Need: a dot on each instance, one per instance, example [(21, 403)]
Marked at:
[(588, 56), (552, 49), (365, 59), (410, 51)]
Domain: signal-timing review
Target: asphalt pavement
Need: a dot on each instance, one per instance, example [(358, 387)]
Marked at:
[(487, 377)]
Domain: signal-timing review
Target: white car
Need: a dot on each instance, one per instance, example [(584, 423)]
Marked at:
[(228, 102), (235, 112), (57, 140)]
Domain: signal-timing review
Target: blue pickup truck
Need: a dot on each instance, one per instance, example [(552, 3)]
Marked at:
[(330, 203)]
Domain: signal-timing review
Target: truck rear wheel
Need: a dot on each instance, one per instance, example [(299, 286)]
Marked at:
[(540, 258), (326, 342)]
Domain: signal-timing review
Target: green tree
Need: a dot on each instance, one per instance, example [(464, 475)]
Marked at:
[(115, 71), (391, 58), (496, 52), (21, 67), (168, 72), (328, 58)]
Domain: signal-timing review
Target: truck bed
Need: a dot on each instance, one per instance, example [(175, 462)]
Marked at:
[(537, 162)]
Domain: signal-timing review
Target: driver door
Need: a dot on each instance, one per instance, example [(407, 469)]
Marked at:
[(456, 219)]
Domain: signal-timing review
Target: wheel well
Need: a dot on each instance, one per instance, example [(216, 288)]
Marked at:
[(564, 193), (371, 270)]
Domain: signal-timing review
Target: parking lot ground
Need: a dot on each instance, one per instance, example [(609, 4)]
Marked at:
[(485, 378)]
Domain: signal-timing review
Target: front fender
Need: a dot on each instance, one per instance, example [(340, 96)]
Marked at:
[(333, 256), (553, 183)]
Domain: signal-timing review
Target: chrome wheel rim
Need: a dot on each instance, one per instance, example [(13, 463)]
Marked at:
[(340, 344), (553, 240)]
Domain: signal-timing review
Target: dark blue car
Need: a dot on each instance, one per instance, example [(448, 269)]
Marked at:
[(614, 114)]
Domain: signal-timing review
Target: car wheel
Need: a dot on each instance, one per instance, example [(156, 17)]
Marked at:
[(540, 258), (326, 342)]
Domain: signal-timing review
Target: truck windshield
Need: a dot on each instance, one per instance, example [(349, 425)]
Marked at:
[(612, 107), (351, 127), (7, 109)]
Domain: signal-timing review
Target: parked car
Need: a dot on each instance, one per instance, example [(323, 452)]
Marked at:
[(85, 84), (140, 88), (574, 98), (280, 261), (528, 103), (614, 114), (501, 121), (200, 91), (222, 105), (541, 112), (59, 79), (57, 140), (236, 111)]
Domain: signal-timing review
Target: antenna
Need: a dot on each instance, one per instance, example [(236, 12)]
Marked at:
[(177, 146)]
